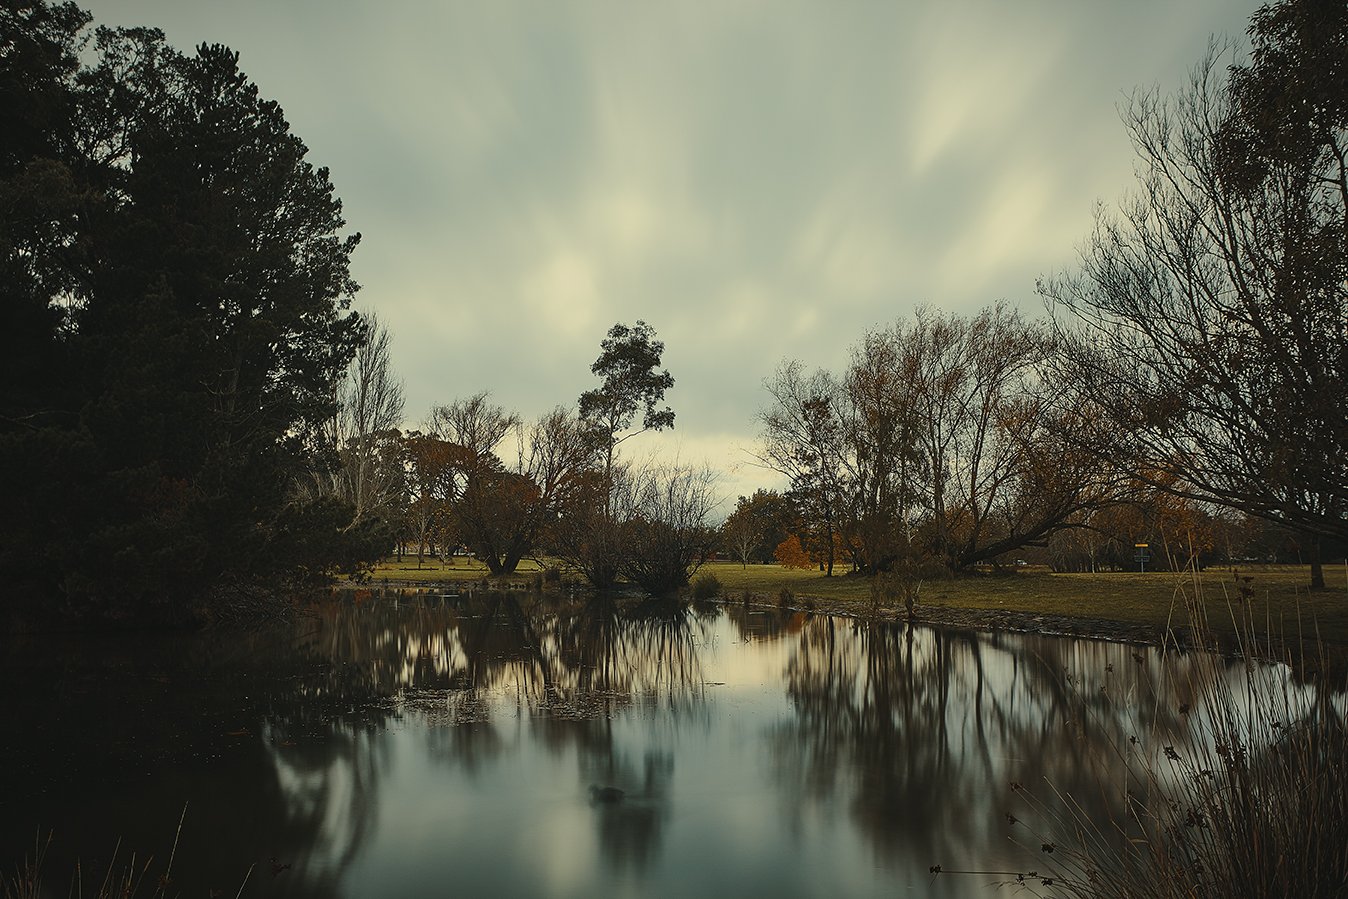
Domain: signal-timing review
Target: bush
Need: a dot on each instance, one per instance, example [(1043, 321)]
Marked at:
[(706, 586), (664, 527)]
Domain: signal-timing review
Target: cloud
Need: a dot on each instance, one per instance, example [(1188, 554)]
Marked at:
[(758, 180)]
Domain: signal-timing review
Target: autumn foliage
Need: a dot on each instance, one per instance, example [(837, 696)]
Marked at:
[(790, 554)]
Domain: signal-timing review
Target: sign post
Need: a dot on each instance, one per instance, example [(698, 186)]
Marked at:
[(1142, 556)]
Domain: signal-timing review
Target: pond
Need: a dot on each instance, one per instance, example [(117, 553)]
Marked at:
[(416, 744)]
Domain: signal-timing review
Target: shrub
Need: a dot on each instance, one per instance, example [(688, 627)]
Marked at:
[(706, 586)]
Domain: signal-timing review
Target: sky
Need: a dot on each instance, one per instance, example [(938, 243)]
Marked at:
[(757, 180)]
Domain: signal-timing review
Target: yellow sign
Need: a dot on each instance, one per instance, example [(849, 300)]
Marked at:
[(1141, 545)]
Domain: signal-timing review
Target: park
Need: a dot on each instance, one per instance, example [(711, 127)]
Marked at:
[(938, 542)]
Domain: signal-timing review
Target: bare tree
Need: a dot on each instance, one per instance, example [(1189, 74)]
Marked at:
[(1209, 319), (886, 470), (945, 432), (506, 508), (803, 438), (476, 424), (993, 426), (666, 525), (363, 432), (371, 413)]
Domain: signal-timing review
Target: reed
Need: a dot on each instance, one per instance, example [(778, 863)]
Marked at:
[(1252, 802), (124, 879)]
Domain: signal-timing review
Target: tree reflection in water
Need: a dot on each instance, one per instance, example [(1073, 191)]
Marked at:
[(903, 742), (567, 668), (909, 728), (261, 746)]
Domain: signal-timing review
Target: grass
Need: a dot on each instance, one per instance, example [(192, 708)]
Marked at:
[(1254, 802), (1277, 595), (461, 568), (123, 879)]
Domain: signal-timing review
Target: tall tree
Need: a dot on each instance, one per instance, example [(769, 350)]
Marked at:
[(183, 277), (629, 365), (887, 471), (41, 450), (368, 469), (1209, 320), (993, 423), (803, 437)]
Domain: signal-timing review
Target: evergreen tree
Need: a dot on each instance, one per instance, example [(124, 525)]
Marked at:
[(177, 293)]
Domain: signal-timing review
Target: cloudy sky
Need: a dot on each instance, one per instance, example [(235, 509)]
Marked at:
[(757, 180)]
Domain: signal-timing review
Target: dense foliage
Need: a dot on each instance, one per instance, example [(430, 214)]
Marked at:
[(174, 277)]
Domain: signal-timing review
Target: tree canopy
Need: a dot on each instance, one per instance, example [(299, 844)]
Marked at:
[(629, 366), (175, 287)]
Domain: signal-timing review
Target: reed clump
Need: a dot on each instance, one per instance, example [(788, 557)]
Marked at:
[(1250, 799), (123, 879)]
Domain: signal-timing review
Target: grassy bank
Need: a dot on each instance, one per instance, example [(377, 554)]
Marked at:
[(429, 570), (1275, 595)]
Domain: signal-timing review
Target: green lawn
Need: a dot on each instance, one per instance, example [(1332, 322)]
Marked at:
[(460, 568), (1280, 596), (1279, 593)]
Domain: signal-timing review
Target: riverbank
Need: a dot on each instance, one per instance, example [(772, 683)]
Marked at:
[(1127, 606)]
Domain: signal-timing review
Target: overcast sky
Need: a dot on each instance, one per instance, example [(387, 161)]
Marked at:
[(757, 180)]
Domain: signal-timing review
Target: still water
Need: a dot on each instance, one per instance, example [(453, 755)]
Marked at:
[(413, 744)]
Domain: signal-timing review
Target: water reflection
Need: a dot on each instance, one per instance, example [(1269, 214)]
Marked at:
[(928, 736), (391, 741)]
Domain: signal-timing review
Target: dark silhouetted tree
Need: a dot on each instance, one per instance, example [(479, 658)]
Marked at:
[(178, 278), (1209, 320), (665, 527), (509, 508)]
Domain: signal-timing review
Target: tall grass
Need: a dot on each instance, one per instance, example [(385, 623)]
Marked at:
[(1251, 800), (122, 879)]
